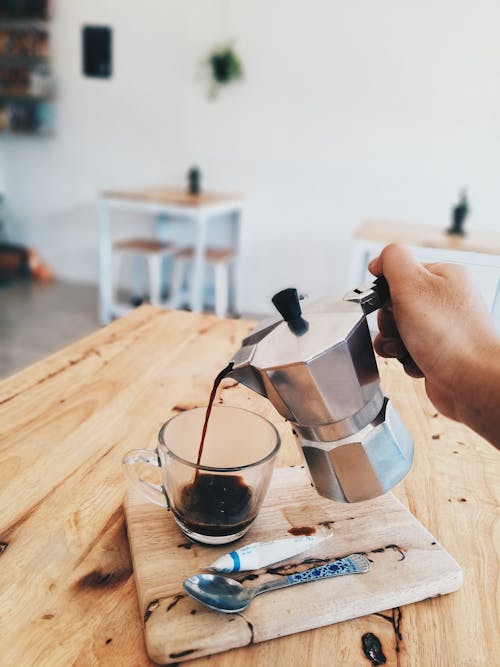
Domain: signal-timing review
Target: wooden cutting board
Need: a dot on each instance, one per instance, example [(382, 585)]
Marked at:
[(408, 565)]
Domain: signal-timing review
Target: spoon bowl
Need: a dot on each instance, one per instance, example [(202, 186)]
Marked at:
[(218, 592)]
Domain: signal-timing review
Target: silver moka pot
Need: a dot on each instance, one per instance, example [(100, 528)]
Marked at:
[(318, 369)]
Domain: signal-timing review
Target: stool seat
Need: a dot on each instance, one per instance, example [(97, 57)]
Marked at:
[(145, 246), (220, 259), (153, 252), (212, 254)]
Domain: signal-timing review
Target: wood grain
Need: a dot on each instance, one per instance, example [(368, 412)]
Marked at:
[(67, 593), (408, 566)]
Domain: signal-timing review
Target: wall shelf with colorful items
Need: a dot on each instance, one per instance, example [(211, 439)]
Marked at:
[(26, 79)]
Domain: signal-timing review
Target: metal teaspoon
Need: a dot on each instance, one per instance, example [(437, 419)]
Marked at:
[(228, 595)]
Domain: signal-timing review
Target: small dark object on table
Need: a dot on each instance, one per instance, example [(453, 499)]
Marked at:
[(194, 181), (459, 215)]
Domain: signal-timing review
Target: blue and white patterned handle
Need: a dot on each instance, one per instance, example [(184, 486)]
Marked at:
[(354, 564)]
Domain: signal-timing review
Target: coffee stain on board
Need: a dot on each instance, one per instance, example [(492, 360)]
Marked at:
[(397, 548), (182, 654), (184, 407), (248, 577), (302, 530), (380, 550), (250, 627), (176, 599), (154, 604)]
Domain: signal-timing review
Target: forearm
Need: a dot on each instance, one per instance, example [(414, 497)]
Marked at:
[(477, 394)]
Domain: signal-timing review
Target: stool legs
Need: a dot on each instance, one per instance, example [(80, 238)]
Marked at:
[(115, 277), (232, 269), (137, 293), (223, 277), (154, 271), (177, 279), (221, 285)]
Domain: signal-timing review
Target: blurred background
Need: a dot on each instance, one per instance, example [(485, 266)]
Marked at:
[(345, 112)]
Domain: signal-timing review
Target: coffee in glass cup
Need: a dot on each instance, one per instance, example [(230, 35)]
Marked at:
[(216, 500)]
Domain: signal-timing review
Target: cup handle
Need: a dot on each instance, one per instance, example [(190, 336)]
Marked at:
[(130, 466)]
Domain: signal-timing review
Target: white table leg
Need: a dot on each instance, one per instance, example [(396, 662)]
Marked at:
[(221, 272), (162, 235), (234, 267), (198, 264), (154, 271), (105, 265)]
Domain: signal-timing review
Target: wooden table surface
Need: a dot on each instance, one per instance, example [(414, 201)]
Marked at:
[(67, 592)]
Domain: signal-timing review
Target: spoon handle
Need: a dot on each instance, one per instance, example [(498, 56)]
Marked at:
[(353, 564)]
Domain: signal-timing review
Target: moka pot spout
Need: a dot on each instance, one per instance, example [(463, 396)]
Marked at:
[(245, 373)]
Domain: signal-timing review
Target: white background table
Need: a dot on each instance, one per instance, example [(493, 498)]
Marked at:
[(199, 210), (479, 251)]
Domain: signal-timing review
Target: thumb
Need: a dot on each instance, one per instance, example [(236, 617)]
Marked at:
[(396, 263)]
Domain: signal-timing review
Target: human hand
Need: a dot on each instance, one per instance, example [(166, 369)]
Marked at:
[(437, 325)]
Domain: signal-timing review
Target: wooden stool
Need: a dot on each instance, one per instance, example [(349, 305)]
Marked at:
[(221, 261), (153, 252)]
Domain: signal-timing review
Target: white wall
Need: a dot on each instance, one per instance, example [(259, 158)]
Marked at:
[(348, 111)]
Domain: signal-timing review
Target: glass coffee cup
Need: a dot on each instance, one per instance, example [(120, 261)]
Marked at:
[(217, 500)]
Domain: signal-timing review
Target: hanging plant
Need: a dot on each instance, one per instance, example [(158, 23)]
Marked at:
[(225, 67)]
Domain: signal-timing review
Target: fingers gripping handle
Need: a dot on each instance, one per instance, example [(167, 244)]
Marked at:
[(381, 288), (131, 466)]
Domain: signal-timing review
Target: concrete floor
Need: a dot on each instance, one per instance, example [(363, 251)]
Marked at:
[(36, 320)]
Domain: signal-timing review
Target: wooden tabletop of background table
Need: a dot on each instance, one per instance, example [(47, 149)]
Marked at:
[(177, 196), (390, 231), (67, 591)]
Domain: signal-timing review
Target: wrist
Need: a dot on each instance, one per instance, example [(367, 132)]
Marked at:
[(477, 390)]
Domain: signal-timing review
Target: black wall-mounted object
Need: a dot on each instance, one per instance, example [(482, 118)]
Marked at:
[(24, 10), (97, 45)]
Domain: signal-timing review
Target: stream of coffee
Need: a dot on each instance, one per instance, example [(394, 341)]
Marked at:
[(215, 504), (225, 371)]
